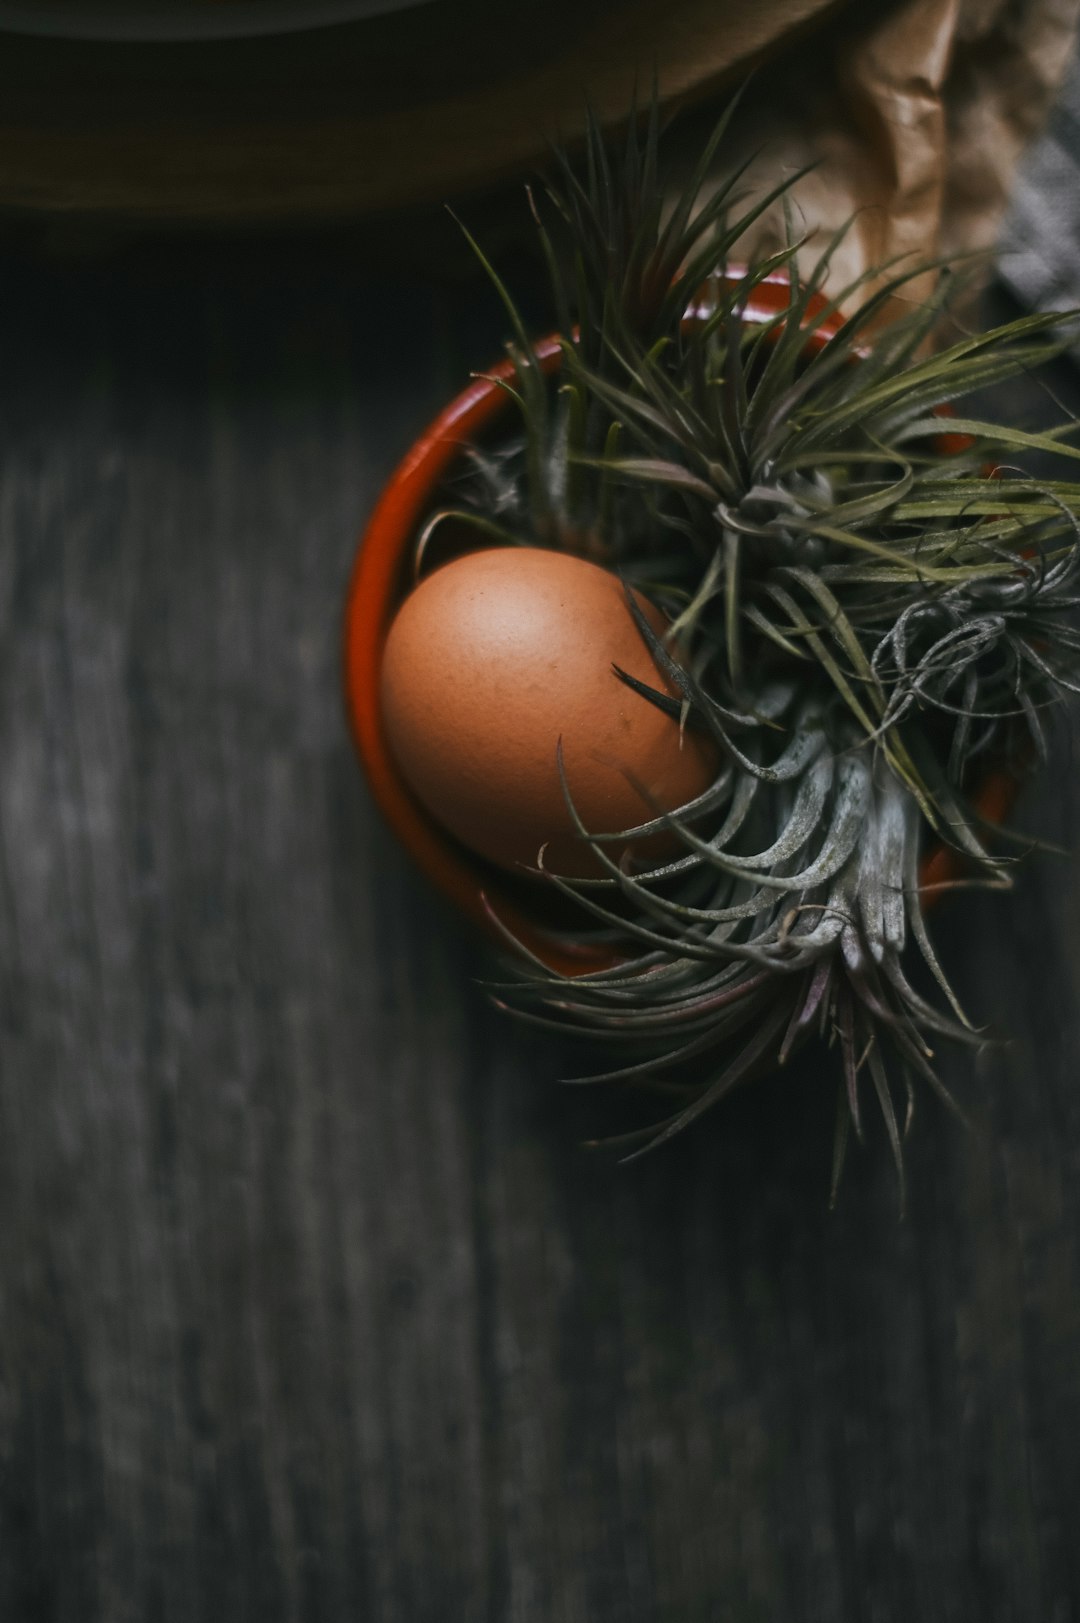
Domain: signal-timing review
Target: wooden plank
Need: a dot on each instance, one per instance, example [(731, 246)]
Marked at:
[(311, 1306)]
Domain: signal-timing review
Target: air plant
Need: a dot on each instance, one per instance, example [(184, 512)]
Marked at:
[(872, 610)]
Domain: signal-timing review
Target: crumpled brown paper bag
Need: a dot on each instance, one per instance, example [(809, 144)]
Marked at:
[(915, 114)]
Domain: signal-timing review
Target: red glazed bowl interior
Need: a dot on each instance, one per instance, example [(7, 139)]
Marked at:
[(382, 576)]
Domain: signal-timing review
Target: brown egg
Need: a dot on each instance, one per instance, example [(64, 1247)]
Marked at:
[(495, 657)]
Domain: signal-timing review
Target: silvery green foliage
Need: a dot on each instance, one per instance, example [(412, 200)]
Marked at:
[(868, 618)]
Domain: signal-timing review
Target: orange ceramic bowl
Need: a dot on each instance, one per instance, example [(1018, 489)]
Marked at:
[(382, 576)]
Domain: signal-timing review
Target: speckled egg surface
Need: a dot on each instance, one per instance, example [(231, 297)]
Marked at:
[(489, 662)]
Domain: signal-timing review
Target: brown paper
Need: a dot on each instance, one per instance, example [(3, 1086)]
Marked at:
[(915, 117)]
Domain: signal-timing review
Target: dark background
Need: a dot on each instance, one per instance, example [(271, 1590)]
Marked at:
[(312, 1305)]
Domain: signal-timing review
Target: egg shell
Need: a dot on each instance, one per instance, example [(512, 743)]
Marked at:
[(492, 660)]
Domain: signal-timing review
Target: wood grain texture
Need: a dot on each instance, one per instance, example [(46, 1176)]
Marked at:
[(311, 1305)]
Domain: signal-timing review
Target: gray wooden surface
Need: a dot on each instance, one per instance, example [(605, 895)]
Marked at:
[(311, 1304)]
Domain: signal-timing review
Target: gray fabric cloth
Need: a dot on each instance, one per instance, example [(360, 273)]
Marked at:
[(1039, 258)]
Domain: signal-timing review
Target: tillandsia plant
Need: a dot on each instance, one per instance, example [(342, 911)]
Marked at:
[(872, 610)]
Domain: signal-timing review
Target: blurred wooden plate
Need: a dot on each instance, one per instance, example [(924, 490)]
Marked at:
[(295, 122)]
